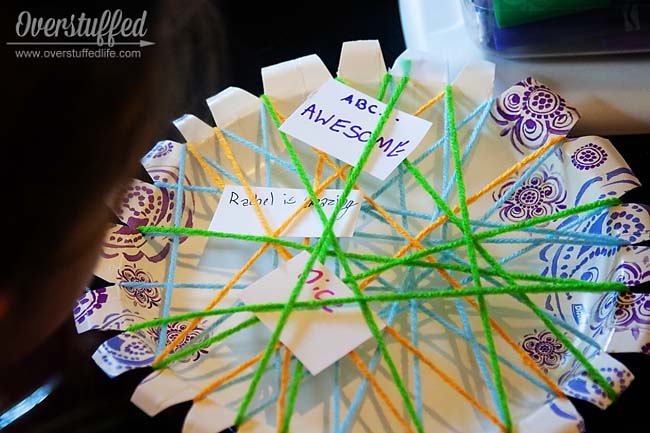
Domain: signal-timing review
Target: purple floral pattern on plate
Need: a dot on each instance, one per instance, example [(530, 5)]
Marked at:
[(628, 223), (530, 112), (144, 204), (540, 194), (545, 349), (147, 297), (174, 330), (623, 311), (588, 157), (632, 309), (91, 301), (161, 149), (645, 349), (631, 274), (580, 385), (124, 352)]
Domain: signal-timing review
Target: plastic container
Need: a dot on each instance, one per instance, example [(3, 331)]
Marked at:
[(539, 28), (612, 90)]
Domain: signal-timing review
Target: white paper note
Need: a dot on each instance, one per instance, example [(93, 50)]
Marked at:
[(318, 338), (236, 213), (339, 120)]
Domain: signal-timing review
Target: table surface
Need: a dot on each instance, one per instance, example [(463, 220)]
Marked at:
[(86, 400)]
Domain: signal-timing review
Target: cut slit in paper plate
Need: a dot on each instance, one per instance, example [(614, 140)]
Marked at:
[(438, 348)]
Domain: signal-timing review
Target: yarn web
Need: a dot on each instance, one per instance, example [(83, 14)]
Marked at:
[(419, 253)]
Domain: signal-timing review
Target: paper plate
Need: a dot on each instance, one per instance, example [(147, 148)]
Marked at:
[(438, 348)]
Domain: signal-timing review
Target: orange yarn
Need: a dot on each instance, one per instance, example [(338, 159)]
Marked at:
[(447, 379), (202, 162), (412, 242), (284, 382), (249, 192), (379, 390), (234, 373), (429, 103)]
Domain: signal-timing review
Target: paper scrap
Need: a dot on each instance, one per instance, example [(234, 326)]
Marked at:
[(339, 121), (236, 212), (318, 338)]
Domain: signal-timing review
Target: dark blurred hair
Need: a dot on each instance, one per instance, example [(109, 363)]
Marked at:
[(75, 129)]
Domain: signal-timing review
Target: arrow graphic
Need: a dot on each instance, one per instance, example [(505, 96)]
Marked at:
[(140, 43)]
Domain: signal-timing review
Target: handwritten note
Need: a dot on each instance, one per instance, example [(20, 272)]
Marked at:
[(318, 338), (339, 120), (236, 212)]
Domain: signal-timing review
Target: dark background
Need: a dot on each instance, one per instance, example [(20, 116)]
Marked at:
[(259, 34)]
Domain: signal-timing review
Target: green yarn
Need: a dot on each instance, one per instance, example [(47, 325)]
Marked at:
[(185, 231), (355, 172), (291, 396), (191, 349), (515, 289), (329, 237), (588, 366), (328, 245), (381, 344), (384, 86), (404, 260), (323, 242), (471, 254)]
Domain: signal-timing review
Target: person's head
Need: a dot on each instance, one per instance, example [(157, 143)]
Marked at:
[(74, 131)]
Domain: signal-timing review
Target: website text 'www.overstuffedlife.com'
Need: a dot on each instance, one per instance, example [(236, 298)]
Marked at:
[(108, 36), (78, 53)]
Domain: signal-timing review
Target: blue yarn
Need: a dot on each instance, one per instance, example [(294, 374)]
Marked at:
[(282, 163), (336, 398), (356, 401), (376, 215), (378, 279), (394, 309), (566, 326), (174, 250), (531, 247), (591, 237), (556, 320), (207, 189), (390, 181), (267, 166), (532, 169), (445, 160), (142, 284), (402, 193), (265, 141), (400, 212), (470, 145), (221, 169), (278, 368), (413, 318), (371, 366), (472, 340), (546, 241), (564, 231), (217, 322), (468, 331), (465, 337), (485, 372), (392, 238), (459, 126), (358, 396), (416, 361)]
